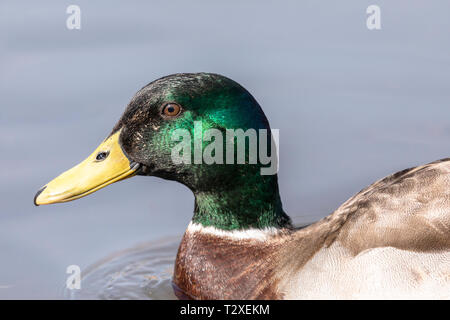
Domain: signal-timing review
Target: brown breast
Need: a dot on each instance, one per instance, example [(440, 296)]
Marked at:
[(212, 267)]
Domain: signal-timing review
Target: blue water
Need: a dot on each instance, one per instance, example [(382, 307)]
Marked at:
[(141, 272), (352, 106)]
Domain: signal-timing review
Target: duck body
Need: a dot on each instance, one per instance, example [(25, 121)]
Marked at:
[(391, 240)]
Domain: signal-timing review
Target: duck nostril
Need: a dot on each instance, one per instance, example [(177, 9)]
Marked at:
[(102, 156)]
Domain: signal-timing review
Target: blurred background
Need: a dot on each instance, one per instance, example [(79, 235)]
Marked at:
[(352, 105)]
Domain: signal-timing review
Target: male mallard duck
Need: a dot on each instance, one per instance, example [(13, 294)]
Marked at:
[(391, 240)]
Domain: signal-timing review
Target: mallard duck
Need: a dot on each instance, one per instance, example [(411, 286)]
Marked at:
[(391, 240)]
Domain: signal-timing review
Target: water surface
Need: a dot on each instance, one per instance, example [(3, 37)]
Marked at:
[(352, 106), (141, 272)]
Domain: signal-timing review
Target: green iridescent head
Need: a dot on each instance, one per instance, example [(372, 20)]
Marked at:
[(199, 102), (229, 194)]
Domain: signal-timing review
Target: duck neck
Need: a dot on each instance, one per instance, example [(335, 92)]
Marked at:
[(249, 203)]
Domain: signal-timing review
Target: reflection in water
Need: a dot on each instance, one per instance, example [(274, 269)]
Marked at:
[(143, 272)]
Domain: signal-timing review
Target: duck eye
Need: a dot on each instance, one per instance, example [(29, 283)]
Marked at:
[(171, 109), (102, 156)]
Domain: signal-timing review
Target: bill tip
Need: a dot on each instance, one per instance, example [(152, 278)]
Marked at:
[(37, 195)]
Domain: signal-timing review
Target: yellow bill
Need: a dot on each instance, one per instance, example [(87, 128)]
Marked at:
[(106, 165)]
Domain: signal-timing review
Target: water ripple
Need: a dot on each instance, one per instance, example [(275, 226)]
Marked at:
[(142, 272)]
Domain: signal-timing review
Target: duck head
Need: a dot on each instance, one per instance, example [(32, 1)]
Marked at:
[(168, 115)]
